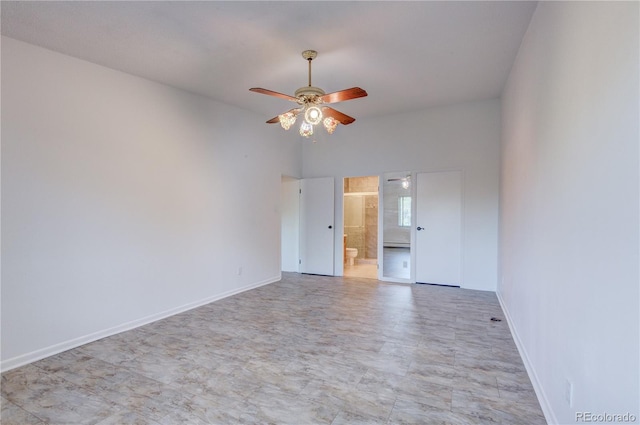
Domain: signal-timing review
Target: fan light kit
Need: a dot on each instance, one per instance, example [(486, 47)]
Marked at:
[(312, 100)]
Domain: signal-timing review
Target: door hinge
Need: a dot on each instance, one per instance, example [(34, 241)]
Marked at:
[(299, 261), (300, 191)]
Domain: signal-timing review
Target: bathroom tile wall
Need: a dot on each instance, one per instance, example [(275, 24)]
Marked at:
[(356, 239), (371, 226), (364, 236), (361, 184)]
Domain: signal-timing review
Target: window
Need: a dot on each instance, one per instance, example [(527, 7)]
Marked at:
[(404, 211)]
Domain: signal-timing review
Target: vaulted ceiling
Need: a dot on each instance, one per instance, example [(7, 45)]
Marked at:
[(407, 55)]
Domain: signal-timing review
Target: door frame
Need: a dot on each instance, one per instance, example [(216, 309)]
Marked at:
[(340, 251), (412, 232), (290, 224)]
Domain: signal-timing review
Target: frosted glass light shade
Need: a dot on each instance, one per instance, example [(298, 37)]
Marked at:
[(313, 115), (330, 124), (306, 129), (287, 120)]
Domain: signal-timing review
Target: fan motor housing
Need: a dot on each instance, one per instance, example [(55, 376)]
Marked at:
[(309, 91)]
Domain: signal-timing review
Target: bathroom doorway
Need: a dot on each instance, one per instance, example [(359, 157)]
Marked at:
[(360, 233), (397, 200)]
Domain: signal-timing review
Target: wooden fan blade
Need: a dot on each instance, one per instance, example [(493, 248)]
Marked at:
[(275, 120), (274, 93), (337, 115), (342, 95)]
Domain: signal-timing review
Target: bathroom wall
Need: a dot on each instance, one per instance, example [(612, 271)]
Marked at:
[(393, 234), (354, 223), (361, 184), (361, 215), (371, 226)]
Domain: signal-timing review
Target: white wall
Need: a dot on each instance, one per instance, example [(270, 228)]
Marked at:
[(124, 200), (569, 206), (462, 137)]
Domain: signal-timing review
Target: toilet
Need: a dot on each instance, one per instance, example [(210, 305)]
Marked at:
[(352, 253)]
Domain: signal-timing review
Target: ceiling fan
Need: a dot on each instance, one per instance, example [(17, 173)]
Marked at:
[(312, 101), (406, 181)]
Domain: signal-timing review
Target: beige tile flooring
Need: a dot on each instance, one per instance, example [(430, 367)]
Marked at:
[(304, 350), (369, 271), (397, 264)]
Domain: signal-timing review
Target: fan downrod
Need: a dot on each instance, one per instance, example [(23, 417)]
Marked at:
[(309, 55)]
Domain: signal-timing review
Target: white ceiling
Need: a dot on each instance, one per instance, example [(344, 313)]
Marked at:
[(407, 55)]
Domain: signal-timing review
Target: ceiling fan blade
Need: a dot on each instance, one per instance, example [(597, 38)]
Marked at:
[(294, 111), (274, 93), (342, 95), (337, 115)]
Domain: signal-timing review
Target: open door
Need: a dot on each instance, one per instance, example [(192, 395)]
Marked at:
[(439, 228), (396, 222), (316, 226)]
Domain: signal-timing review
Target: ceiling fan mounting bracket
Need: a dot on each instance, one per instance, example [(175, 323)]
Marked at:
[(309, 54)]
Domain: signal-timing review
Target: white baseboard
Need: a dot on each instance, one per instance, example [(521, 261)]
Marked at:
[(34, 356), (542, 398)]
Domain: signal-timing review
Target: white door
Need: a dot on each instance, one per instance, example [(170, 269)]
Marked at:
[(439, 228), (316, 226)]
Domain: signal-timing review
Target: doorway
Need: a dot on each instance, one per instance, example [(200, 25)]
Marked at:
[(307, 233), (290, 224), (360, 232), (397, 201)]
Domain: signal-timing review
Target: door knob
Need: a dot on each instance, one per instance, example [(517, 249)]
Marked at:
[(330, 227), (420, 228)]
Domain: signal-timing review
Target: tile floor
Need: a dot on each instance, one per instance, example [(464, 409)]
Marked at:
[(305, 350), (368, 269), (396, 261)]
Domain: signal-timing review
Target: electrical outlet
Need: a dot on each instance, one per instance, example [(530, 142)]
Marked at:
[(405, 264), (240, 271), (568, 393)]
